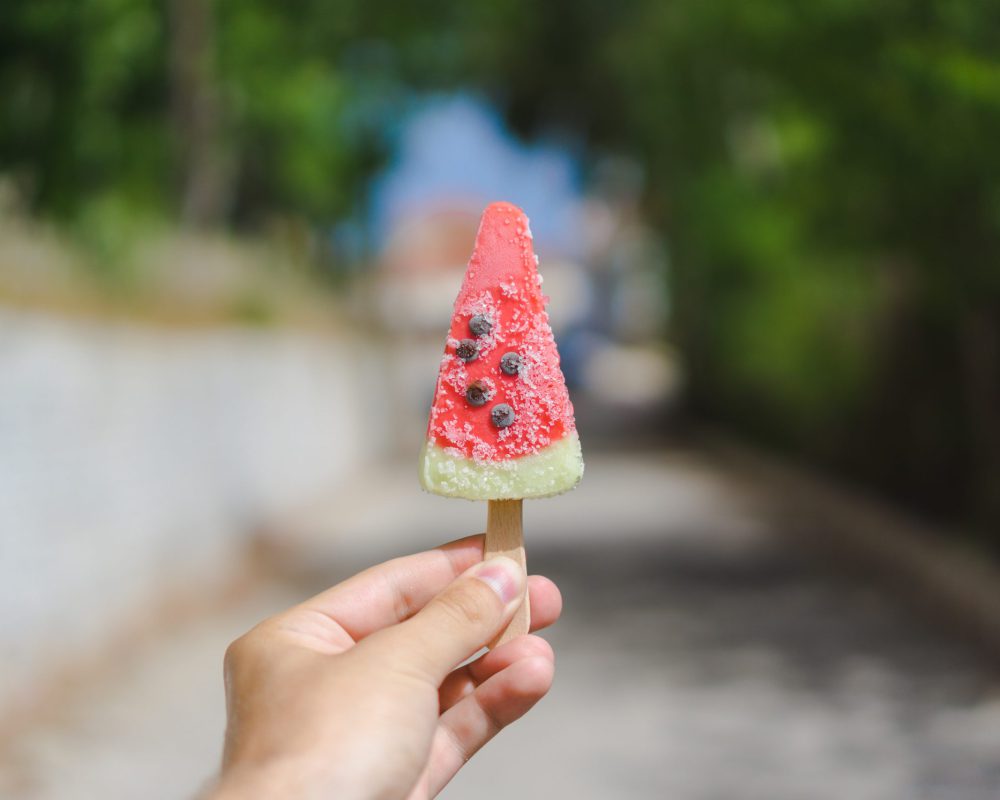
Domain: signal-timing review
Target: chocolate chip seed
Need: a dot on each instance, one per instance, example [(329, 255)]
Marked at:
[(480, 325), (478, 393), (502, 415), (467, 350), (510, 363)]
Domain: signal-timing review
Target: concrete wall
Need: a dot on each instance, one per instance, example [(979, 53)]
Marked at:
[(135, 459)]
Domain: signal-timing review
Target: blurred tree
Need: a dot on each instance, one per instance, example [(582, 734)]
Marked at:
[(827, 173), (828, 177), (197, 113), (83, 101)]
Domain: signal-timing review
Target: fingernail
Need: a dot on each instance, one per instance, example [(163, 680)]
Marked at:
[(503, 576)]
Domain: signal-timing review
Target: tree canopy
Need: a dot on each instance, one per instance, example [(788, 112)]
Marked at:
[(826, 173)]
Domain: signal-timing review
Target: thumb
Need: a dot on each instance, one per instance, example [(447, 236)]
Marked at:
[(466, 615)]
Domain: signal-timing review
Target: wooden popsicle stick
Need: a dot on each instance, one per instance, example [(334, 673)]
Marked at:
[(505, 537)]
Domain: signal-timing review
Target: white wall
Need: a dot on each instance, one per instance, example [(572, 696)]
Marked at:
[(134, 459)]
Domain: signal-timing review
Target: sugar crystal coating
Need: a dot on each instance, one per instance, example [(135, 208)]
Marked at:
[(551, 471)]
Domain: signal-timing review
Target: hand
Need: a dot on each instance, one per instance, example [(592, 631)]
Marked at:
[(355, 693)]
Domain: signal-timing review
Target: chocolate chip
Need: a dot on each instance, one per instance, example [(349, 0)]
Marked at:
[(502, 415), (467, 350), (478, 393), (510, 363), (480, 325)]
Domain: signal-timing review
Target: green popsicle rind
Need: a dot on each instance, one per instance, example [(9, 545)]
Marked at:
[(553, 470)]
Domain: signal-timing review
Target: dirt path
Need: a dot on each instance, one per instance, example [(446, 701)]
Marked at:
[(700, 657)]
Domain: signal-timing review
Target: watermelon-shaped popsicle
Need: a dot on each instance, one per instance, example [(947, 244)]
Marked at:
[(501, 425)]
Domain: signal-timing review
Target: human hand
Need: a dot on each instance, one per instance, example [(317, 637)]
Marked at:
[(355, 693)]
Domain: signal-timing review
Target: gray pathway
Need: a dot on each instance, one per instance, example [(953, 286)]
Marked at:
[(699, 658), (692, 674)]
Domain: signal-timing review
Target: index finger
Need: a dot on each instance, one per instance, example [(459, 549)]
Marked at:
[(395, 590)]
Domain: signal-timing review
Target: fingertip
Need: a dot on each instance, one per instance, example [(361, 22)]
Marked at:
[(546, 589), (546, 601), (518, 687), (505, 577), (464, 552), (510, 653), (530, 646), (536, 674)]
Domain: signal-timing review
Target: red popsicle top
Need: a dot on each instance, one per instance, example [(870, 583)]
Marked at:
[(500, 311)]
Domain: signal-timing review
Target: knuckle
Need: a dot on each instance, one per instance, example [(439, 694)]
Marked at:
[(243, 650), (236, 653), (470, 603)]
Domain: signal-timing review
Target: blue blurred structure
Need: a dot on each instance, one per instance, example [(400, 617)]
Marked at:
[(456, 148), (453, 156)]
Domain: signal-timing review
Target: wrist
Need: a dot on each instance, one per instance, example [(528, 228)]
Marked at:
[(293, 779)]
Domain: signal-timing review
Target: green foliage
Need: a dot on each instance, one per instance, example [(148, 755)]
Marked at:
[(108, 231), (285, 100), (83, 101), (827, 173), (828, 176)]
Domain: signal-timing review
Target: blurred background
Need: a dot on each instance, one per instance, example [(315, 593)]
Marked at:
[(230, 237)]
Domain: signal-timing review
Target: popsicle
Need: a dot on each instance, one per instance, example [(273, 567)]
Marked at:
[(501, 424)]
